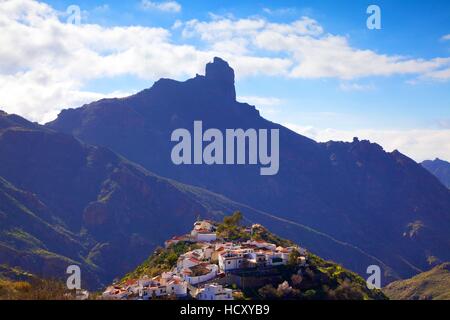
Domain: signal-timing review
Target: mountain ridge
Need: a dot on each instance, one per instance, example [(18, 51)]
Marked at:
[(44, 170), (430, 285), (440, 169), (355, 192), (305, 275)]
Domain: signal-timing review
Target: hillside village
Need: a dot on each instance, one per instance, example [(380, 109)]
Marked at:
[(214, 270)]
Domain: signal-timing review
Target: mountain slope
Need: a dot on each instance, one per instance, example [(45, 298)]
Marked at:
[(439, 168), (65, 202), (384, 204), (319, 280), (430, 285)]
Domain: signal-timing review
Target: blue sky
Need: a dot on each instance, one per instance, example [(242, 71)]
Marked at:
[(405, 106)]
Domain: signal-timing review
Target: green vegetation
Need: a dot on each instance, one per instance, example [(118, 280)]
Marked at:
[(231, 229), (16, 284), (319, 280), (19, 236), (261, 233), (34, 289), (430, 285), (161, 260)]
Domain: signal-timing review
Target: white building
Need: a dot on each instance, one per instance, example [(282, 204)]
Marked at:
[(208, 250), (204, 231), (168, 283), (261, 244), (276, 258), (187, 261), (204, 236), (209, 272), (234, 259), (214, 291), (115, 293), (204, 225)]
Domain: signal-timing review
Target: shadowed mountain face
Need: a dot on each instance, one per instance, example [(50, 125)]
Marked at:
[(384, 204), (439, 168), (63, 202)]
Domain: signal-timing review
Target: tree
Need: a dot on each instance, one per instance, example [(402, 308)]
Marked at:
[(293, 257), (234, 219), (268, 292), (348, 291)]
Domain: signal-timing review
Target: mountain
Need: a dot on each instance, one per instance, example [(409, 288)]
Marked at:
[(439, 168), (381, 204), (430, 285), (315, 279), (65, 202)]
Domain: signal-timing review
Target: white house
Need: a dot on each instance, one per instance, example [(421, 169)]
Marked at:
[(204, 231), (208, 250), (209, 272), (186, 261), (215, 291), (204, 225), (262, 244), (235, 259), (205, 236), (115, 293), (167, 283), (276, 258)]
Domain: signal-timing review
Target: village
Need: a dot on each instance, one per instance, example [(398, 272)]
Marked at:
[(213, 270)]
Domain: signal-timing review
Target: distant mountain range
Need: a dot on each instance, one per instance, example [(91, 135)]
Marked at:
[(439, 168), (89, 188), (373, 206)]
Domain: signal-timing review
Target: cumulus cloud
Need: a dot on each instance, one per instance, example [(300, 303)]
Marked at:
[(167, 6), (419, 144), (313, 52), (46, 64)]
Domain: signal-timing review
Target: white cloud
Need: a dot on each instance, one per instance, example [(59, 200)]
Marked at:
[(446, 37), (419, 144), (313, 53), (261, 101), (354, 86), (167, 6), (267, 106), (225, 28), (443, 123), (280, 11), (46, 64), (102, 8)]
